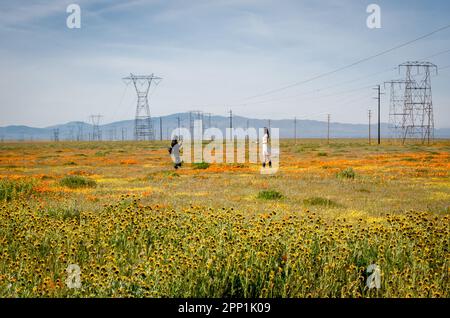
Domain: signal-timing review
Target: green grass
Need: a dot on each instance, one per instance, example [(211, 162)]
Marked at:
[(12, 189), (314, 201), (200, 165), (269, 195), (74, 182), (170, 174), (348, 173), (64, 212)]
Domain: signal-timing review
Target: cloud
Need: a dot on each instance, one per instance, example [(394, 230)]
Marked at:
[(211, 54)]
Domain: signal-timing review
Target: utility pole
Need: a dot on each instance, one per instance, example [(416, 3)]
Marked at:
[(160, 128), (123, 134), (231, 119), (247, 136), (208, 115), (378, 88), (178, 122), (295, 129), (370, 117), (328, 128)]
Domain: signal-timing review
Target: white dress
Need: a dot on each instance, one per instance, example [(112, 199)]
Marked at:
[(266, 148)]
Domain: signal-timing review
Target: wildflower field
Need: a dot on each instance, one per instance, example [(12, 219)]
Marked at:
[(136, 227)]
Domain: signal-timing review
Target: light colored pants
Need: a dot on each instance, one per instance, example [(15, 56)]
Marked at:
[(266, 153)]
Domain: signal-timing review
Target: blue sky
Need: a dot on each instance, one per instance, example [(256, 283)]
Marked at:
[(213, 55)]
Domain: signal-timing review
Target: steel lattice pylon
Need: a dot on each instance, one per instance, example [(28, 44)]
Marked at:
[(417, 119), (193, 116), (396, 107), (96, 132), (143, 126)]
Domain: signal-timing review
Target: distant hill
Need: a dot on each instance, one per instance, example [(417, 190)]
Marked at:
[(124, 129)]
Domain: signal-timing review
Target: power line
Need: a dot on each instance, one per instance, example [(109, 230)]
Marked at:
[(337, 85), (313, 98), (349, 65)]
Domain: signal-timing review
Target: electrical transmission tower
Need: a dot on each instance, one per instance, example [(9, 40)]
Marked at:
[(417, 118), (193, 116), (80, 132), (96, 133), (56, 134), (143, 126), (208, 115), (396, 107)]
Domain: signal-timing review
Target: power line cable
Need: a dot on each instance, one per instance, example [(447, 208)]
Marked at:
[(349, 65)]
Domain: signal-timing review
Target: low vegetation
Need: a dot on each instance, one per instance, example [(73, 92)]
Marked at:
[(75, 181), (137, 227), (269, 195)]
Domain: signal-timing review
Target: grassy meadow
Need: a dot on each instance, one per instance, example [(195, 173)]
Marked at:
[(136, 227)]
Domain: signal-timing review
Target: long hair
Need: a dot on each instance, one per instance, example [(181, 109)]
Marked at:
[(174, 142), (266, 131)]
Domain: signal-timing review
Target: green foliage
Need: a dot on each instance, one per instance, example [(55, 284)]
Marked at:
[(64, 212), (170, 174), (200, 165), (322, 154), (74, 182), (348, 173), (320, 201), (269, 195), (12, 189)]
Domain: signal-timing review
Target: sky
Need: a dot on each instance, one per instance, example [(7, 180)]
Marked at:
[(214, 56)]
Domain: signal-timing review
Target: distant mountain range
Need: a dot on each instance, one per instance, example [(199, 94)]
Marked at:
[(123, 130)]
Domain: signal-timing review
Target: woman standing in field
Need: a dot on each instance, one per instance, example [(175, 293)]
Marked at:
[(266, 148)]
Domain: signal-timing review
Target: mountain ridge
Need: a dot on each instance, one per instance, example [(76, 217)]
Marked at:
[(123, 129)]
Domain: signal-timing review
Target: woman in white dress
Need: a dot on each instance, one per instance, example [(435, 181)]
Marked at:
[(266, 148)]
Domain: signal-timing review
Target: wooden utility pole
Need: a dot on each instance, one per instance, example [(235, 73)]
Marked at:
[(295, 129), (328, 130), (378, 88), (160, 128)]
